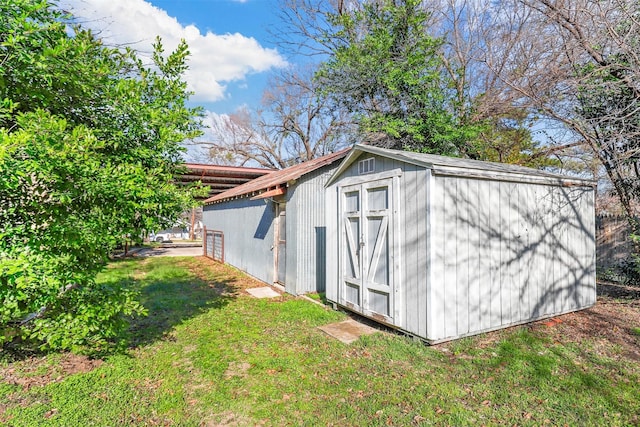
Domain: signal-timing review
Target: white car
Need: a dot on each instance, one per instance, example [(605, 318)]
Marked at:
[(161, 236)]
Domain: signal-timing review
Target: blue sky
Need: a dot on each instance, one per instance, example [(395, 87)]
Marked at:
[(252, 18), (232, 50)]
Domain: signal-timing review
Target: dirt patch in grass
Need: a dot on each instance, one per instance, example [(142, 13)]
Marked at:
[(229, 419), (38, 371), (228, 279), (237, 369), (609, 325)]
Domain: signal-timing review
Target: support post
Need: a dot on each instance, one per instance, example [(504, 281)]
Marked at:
[(192, 233), (204, 240)]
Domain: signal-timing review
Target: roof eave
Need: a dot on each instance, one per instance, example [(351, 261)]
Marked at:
[(289, 176), (358, 149), (444, 169)]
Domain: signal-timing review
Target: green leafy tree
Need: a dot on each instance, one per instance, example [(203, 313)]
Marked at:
[(420, 75), (90, 139), (507, 138), (388, 71)]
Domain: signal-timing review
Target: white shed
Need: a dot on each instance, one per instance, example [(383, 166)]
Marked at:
[(443, 248)]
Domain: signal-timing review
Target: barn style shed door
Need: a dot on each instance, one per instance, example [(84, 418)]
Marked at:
[(366, 282)]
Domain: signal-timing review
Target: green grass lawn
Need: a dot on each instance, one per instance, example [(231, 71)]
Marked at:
[(208, 354)]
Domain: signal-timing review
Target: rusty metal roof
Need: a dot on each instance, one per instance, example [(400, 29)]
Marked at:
[(278, 179), (219, 178)]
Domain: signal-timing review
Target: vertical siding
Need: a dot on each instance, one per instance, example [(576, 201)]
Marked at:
[(547, 305), (532, 275), (478, 254), (561, 267), (463, 287), (412, 215), (507, 253), (332, 250), (485, 265), (248, 228), (306, 256), (475, 247), (437, 295), (450, 275), (589, 218), (249, 233), (291, 242), (514, 252), (492, 223)]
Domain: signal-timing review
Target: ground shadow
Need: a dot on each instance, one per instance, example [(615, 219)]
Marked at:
[(171, 297), (618, 291)]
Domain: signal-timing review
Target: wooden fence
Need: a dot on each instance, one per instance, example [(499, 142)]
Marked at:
[(612, 240)]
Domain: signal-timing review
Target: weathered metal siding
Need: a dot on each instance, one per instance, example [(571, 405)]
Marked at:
[(306, 226), (248, 228), (506, 253)]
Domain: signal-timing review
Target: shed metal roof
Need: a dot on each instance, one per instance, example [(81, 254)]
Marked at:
[(278, 179), (441, 165), (218, 178)]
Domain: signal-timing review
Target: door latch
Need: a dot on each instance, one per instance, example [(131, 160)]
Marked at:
[(360, 248)]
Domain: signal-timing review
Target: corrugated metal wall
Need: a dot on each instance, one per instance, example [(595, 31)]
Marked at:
[(505, 253), (306, 228), (248, 228)]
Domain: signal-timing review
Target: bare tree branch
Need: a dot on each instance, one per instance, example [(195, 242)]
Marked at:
[(293, 126)]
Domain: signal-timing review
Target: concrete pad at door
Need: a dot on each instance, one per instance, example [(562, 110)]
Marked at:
[(264, 292), (347, 331)]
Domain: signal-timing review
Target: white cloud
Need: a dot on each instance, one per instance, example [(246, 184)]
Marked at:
[(216, 59)]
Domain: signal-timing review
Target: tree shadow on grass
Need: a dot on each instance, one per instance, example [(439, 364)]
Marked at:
[(174, 291)]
